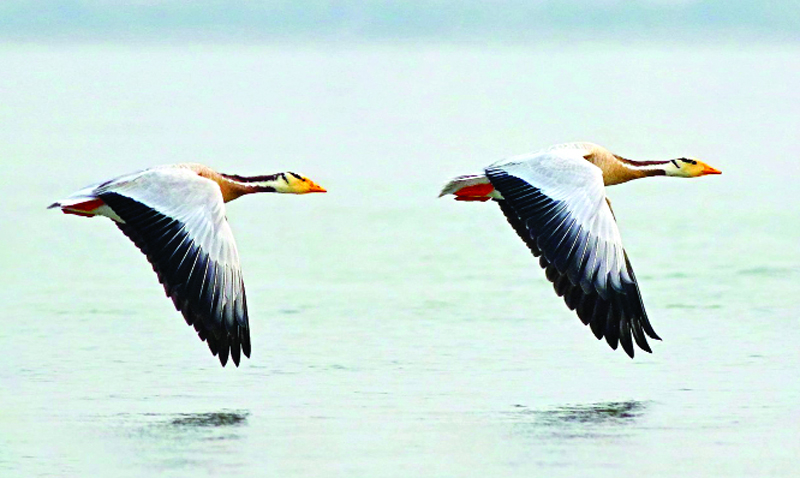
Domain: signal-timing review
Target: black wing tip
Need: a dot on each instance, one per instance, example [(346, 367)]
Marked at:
[(245, 343), (639, 339), (223, 358), (631, 351), (628, 348), (648, 329), (609, 320), (227, 347)]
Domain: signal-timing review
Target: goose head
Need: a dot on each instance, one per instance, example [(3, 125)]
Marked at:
[(690, 168), (293, 183)]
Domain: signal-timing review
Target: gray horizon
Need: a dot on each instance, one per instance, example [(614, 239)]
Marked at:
[(502, 20)]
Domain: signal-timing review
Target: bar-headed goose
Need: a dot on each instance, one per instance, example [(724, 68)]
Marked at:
[(555, 200), (175, 215)]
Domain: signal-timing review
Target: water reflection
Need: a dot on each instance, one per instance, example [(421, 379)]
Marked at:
[(190, 443), (214, 419), (224, 424), (579, 421)]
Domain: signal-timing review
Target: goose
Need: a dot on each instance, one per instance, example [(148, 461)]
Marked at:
[(555, 201), (175, 214)]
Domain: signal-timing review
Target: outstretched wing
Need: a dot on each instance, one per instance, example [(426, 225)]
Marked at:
[(555, 200), (177, 219)]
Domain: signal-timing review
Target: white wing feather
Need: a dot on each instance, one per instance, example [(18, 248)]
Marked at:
[(564, 175), (187, 197)]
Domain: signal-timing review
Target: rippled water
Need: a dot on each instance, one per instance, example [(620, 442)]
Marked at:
[(395, 334)]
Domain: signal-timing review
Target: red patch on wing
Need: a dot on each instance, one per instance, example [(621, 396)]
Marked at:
[(476, 192), (472, 198), (87, 206), (77, 213), (83, 208)]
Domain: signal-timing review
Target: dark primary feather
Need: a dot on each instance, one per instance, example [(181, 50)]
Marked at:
[(564, 251), (189, 277)]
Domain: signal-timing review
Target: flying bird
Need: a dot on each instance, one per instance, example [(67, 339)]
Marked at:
[(175, 214), (556, 202)]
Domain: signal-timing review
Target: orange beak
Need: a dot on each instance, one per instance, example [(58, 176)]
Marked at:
[(316, 188), (709, 170)]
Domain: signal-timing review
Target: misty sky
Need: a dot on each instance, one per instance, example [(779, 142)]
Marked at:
[(354, 19)]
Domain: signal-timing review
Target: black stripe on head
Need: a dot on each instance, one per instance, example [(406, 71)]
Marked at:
[(639, 163), (253, 179)]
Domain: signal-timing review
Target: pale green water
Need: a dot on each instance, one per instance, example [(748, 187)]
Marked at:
[(395, 334)]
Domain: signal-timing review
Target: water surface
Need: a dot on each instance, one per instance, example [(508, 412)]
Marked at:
[(395, 334)]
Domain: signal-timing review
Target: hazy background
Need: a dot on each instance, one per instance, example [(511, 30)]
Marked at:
[(447, 20), (396, 334)]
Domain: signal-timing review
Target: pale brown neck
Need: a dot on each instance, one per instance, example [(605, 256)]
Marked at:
[(233, 186), (624, 170)]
